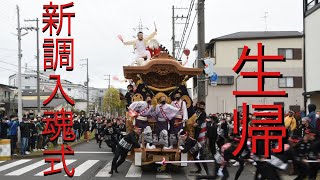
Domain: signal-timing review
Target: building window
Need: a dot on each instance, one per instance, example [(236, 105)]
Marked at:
[(101, 91), (212, 53), (290, 53), (311, 3), (225, 80), (27, 77), (295, 108), (290, 82), (239, 52), (279, 103), (69, 89), (27, 87), (195, 82)]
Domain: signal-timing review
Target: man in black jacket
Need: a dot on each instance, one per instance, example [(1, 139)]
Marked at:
[(33, 136), (25, 135), (129, 95), (4, 129), (212, 133), (125, 145), (303, 127), (307, 148), (122, 129), (109, 134), (201, 114), (227, 152), (99, 128), (194, 147), (76, 129)]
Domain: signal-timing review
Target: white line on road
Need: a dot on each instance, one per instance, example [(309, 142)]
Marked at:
[(57, 166), (91, 152), (26, 168), (13, 164), (1, 161), (134, 172), (104, 172), (84, 167), (163, 175)]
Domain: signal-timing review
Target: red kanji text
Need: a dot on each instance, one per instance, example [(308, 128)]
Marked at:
[(273, 118), (53, 94), (260, 74), (51, 17)]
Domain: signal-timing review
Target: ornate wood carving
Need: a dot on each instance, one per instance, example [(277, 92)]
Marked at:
[(162, 71)]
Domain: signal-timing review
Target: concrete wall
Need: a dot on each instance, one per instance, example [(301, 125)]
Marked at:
[(312, 55), (312, 45)]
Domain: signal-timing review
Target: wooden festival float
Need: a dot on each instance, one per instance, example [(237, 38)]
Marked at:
[(161, 76)]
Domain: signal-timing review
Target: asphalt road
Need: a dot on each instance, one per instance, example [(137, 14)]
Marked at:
[(91, 162)]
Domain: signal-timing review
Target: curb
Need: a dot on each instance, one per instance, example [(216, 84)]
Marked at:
[(40, 153)]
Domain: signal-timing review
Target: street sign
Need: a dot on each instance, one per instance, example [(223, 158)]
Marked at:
[(214, 79)]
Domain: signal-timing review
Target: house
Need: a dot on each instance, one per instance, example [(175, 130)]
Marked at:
[(311, 24), (225, 51), (29, 82), (31, 94), (8, 100), (73, 90)]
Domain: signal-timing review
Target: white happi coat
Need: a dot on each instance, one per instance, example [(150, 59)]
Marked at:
[(143, 108), (165, 112), (182, 106)]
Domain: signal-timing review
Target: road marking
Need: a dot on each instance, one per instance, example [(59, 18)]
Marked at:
[(91, 152), (57, 166), (163, 175), (26, 168), (13, 164), (84, 167), (104, 172), (134, 171), (1, 161)]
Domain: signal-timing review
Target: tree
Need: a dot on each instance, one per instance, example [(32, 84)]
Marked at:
[(111, 101)]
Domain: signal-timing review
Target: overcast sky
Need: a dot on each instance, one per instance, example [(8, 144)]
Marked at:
[(98, 22)]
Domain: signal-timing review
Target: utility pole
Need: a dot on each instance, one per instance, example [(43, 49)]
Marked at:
[(201, 51), (87, 64), (19, 68), (108, 79), (265, 17), (38, 61), (174, 18), (109, 103)]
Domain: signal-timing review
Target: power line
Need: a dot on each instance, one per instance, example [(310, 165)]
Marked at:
[(9, 63), (7, 69), (194, 19), (7, 49), (186, 26), (22, 67)]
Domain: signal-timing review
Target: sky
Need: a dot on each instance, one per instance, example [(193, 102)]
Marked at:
[(98, 22)]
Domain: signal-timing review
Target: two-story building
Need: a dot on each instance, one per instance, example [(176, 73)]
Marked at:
[(8, 100), (225, 52), (311, 25)]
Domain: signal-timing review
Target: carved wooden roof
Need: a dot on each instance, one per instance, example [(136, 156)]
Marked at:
[(162, 71)]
